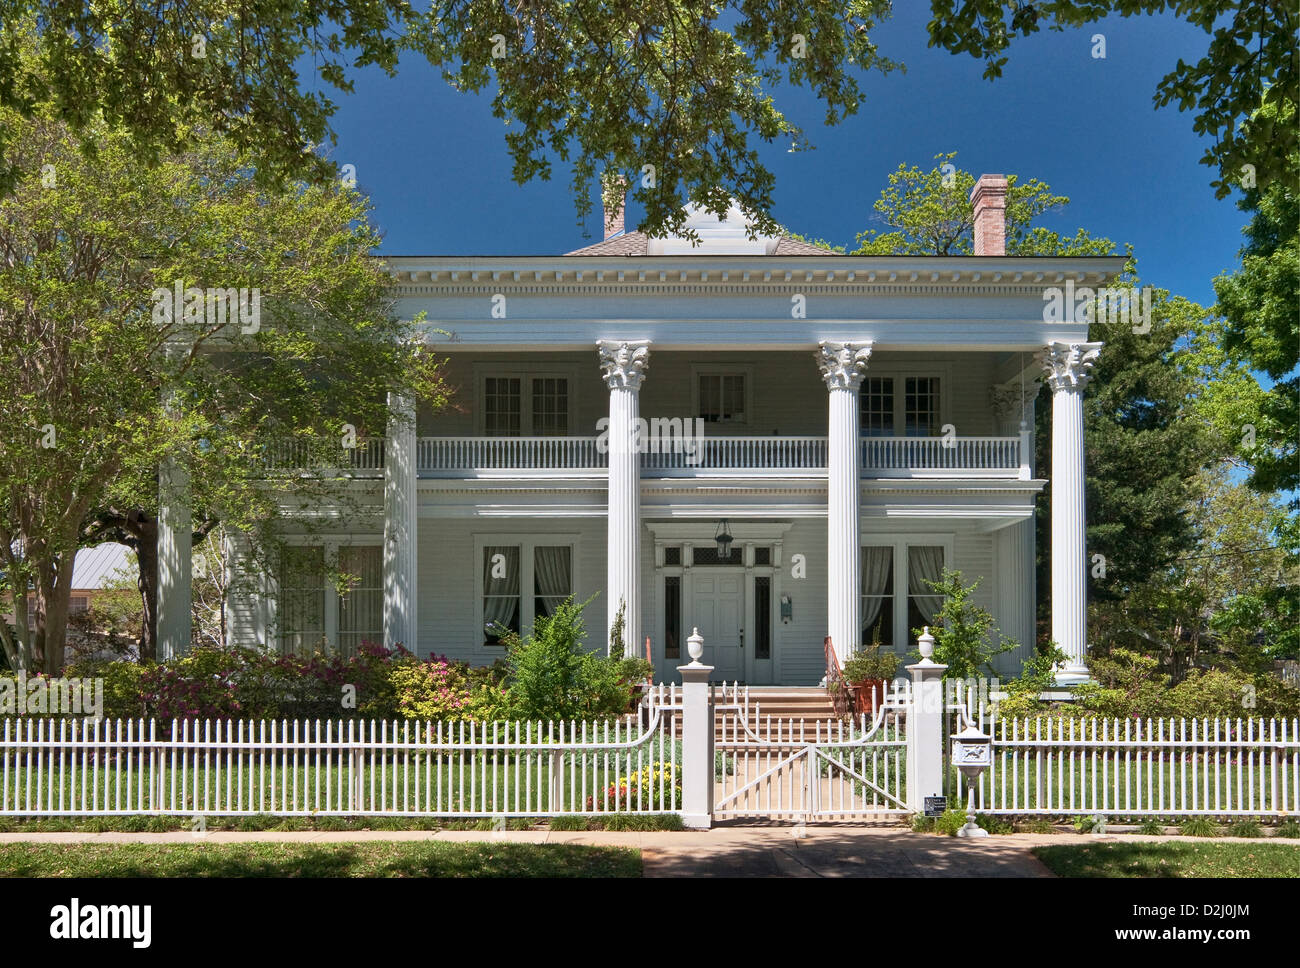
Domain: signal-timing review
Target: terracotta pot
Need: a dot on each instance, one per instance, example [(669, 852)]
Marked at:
[(868, 694)]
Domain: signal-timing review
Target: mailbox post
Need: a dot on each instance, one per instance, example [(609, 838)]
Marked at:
[(972, 753)]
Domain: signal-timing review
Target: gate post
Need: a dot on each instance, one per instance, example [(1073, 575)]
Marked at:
[(697, 739), (925, 739)]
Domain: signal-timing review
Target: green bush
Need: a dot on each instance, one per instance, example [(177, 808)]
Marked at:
[(922, 824), (1289, 828), (994, 825), (1245, 828), (965, 639), (1198, 827), (123, 695), (871, 663), (1151, 828), (1094, 824), (1037, 825), (951, 821), (553, 677)]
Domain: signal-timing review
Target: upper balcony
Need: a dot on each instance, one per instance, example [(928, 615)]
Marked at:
[(474, 458)]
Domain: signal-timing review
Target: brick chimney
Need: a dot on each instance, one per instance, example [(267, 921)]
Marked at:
[(614, 217), (989, 197)]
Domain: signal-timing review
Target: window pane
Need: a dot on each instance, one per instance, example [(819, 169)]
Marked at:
[(672, 617), (921, 406), (876, 418), (762, 617), (302, 599), (550, 406), (673, 555), (710, 398), (924, 563), (500, 591), (501, 407), (878, 595), (722, 397), (552, 578), (708, 555), (361, 606)]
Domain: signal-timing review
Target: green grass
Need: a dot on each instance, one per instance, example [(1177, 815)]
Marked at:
[(1245, 828), (259, 822), (1145, 859), (317, 860), (1198, 827)]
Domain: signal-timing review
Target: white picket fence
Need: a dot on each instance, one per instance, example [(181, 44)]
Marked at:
[(51, 768), (1136, 767)]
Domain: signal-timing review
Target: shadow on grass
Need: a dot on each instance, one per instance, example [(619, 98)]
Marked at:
[(377, 859)]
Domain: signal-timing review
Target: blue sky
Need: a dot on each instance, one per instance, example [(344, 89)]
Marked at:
[(435, 165)]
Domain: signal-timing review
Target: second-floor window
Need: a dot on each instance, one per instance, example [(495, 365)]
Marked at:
[(907, 406), (529, 406), (722, 397)]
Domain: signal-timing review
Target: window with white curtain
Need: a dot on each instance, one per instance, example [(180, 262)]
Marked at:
[(521, 582), (895, 597), (878, 595), (361, 602)]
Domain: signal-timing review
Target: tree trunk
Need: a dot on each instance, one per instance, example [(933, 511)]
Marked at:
[(146, 553), (53, 594)]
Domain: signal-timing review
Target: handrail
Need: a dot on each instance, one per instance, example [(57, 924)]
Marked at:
[(835, 674)]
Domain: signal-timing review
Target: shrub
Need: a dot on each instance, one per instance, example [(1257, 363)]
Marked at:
[(1151, 828), (434, 689), (964, 636), (994, 825), (1095, 824), (1198, 827), (657, 785), (1245, 828), (871, 663), (553, 677), (1037, 825), (951, 821), (1289, 828), (922, 824)]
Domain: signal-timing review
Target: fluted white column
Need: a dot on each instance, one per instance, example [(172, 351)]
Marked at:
[(1068, 367), (623, 363), (175, 559), (400, 527), (843, 366)]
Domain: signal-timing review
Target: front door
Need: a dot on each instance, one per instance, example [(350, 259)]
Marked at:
[(717, 610)]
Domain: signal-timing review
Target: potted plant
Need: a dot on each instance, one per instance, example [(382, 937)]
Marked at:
[(869, 673)]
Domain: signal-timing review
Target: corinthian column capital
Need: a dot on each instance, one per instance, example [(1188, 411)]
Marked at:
[(843, 365), (1068, 366), (623, 362)]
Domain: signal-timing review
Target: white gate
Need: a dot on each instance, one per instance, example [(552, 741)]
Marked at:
[(798, 770)]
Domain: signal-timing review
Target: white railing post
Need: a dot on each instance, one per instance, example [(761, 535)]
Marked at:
[(697, 739), (925, 739)]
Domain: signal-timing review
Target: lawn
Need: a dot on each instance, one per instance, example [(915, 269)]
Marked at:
[(1147, 859), (380, 859)]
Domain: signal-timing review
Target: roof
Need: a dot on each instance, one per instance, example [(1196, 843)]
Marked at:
[(95, 566), (716, 234), (638, 243)]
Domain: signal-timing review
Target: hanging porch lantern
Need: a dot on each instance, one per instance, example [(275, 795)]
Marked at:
[(724, 539)]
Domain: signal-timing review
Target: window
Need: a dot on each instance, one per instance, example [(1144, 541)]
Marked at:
[(924, 563), (546, 570), (917, 398), (672, 617), (722, 397), (896, 601), (302, 598), (708, 555), (526, 405), (361, 604), (501, 406), (876, 400), (673, 555), (878, 595), (762, 617), (763, 555), (921, 406)]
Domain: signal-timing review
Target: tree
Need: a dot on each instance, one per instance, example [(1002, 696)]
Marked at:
[(930, 213), (1262, 329), (105, 381), (606, 88), (1250, 62)]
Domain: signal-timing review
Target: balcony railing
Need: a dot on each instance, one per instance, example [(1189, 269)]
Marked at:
[(461, 457), (883, 457), (324, 455)]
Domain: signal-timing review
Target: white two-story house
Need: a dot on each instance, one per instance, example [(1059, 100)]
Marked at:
[(755, 437)]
